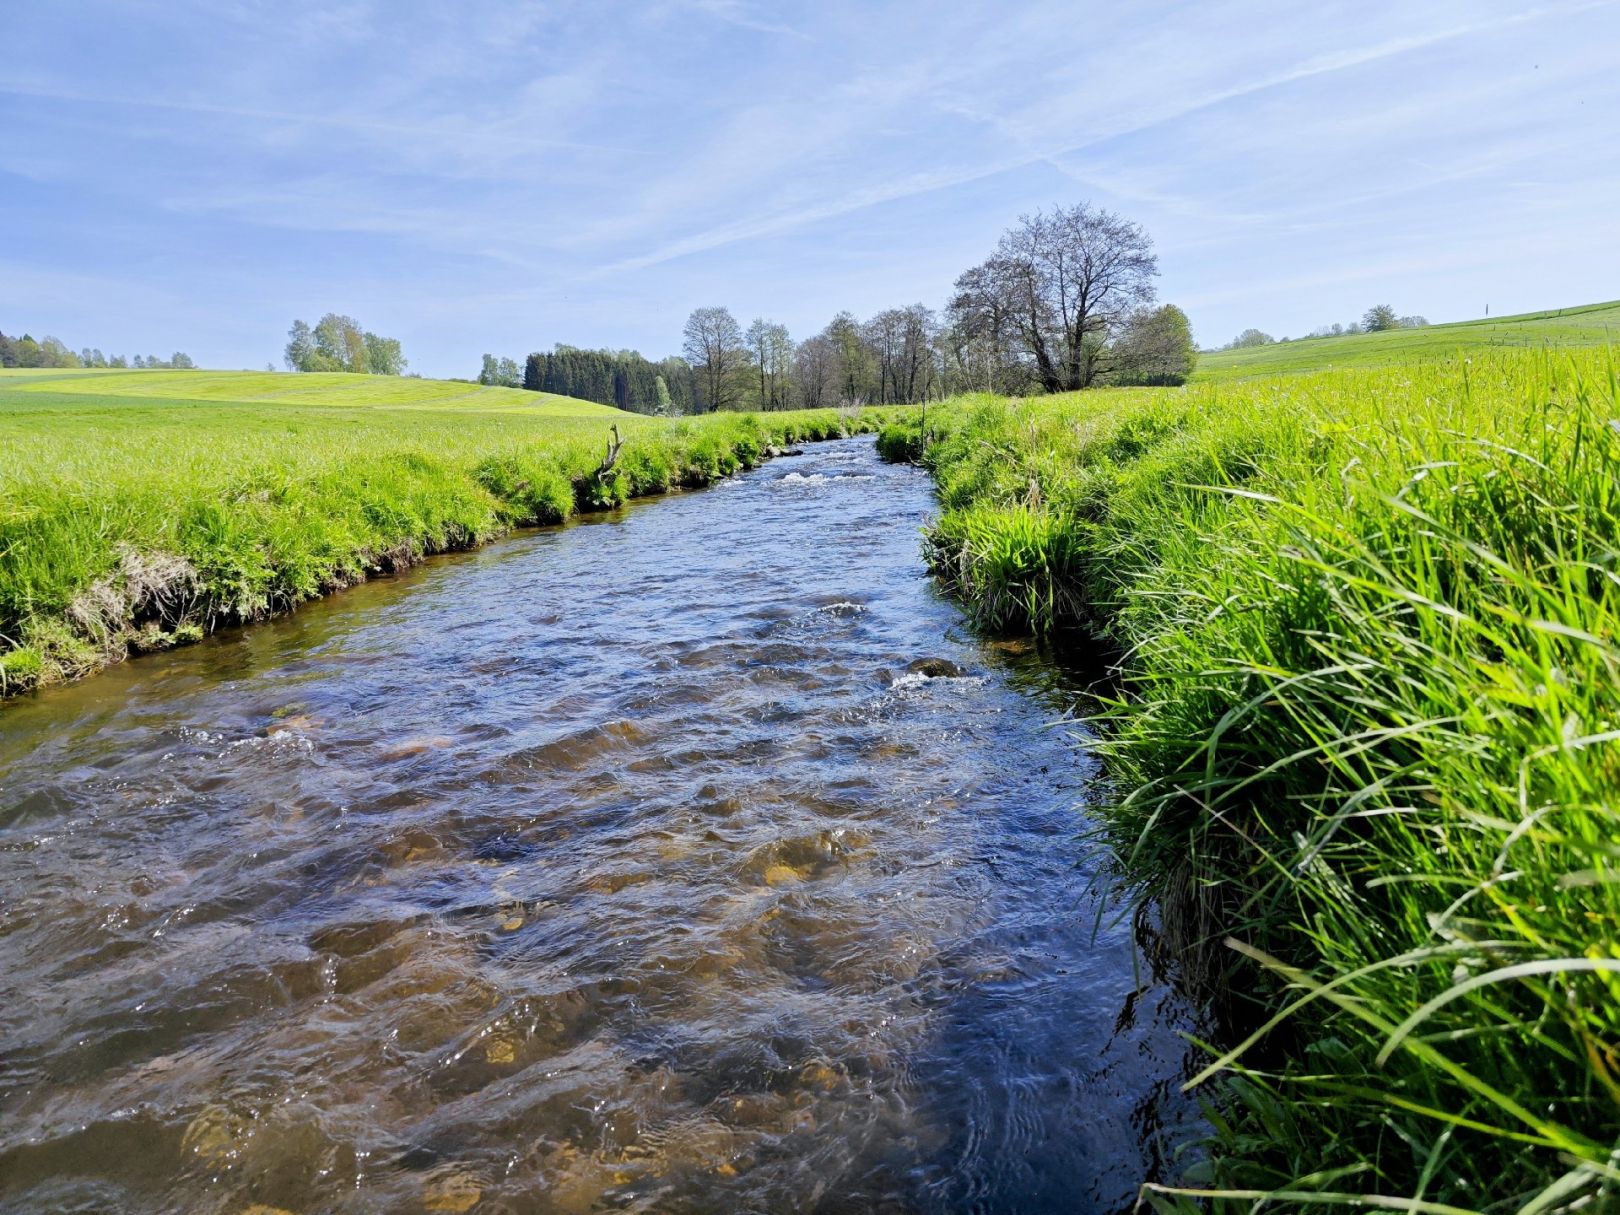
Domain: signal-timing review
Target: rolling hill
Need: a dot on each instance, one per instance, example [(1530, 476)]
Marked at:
[(1587, 325)]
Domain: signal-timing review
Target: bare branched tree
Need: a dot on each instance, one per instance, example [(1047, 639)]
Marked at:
[(853, 357), (1063, 283), (815, 372), (771, 349), (714, 347), (914, 379), (883, 335)]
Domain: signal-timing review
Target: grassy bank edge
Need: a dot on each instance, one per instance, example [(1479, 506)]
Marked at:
[(266, 545), (1364, 625)]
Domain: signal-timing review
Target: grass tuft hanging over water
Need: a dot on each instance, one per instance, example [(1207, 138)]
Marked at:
[(1367, 740)]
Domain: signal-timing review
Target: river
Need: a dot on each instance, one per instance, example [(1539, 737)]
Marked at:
[(617, 866)]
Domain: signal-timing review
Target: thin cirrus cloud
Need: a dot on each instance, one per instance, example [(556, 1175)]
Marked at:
[(509, 175), (1041, 137), (439, 134)]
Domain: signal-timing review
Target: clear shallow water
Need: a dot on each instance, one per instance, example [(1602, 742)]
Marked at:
[(600, 869)]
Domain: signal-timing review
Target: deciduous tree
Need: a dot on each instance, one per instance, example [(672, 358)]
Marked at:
[(340, 344), (913, 369), (300, 353), (771, 350), (853, 358), (814, 372), (53, 352), (714, 347), (1155, 348), (383, 355), (978, 347), (1064, 283), (1380, 317)]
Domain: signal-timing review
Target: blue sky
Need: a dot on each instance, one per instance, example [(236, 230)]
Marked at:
[(481, 176)]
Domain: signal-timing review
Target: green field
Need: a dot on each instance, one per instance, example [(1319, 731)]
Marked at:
[(1590, 325), (140, 509), (1366, 744), (323, 389)]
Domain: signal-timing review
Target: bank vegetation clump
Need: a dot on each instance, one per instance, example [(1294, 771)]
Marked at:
[(1365, 735)]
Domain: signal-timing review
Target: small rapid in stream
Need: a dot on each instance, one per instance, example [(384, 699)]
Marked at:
[(613, 867)]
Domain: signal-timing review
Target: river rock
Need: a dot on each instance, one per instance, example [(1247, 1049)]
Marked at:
[(215, 1134), (935, 668), (782, 875), (416, 746), (453, 1192)]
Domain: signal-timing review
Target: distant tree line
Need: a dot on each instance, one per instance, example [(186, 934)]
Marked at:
[(1065, 302), (338, 343), (611, 377), (24, 351), (1377, 319)]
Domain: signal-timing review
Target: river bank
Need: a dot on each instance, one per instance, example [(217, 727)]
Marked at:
[(606, 867), (1364, 628), (131, 524)]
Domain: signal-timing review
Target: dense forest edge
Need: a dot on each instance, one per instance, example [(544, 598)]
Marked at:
[(1362, 731)]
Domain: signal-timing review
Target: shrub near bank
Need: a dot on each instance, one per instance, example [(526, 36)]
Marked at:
[(129, 524), (1366, 742)]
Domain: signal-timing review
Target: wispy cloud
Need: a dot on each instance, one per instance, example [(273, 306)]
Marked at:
[(1152, 114), (438, 132), (845, 204), (745, 16)]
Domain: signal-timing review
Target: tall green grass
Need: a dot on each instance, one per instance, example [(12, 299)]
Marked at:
[(130, 520), (1366, 738)]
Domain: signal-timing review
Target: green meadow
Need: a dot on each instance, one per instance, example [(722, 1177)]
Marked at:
[(1589, 325), (141, 509), (1363, 730)]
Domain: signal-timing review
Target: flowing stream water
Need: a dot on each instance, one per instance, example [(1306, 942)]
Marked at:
[(613, 867)]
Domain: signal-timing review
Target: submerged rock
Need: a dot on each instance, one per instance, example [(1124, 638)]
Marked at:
[(416, 746), (454, 1192), (1014, 645), (935, 668), (215, 1134)]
